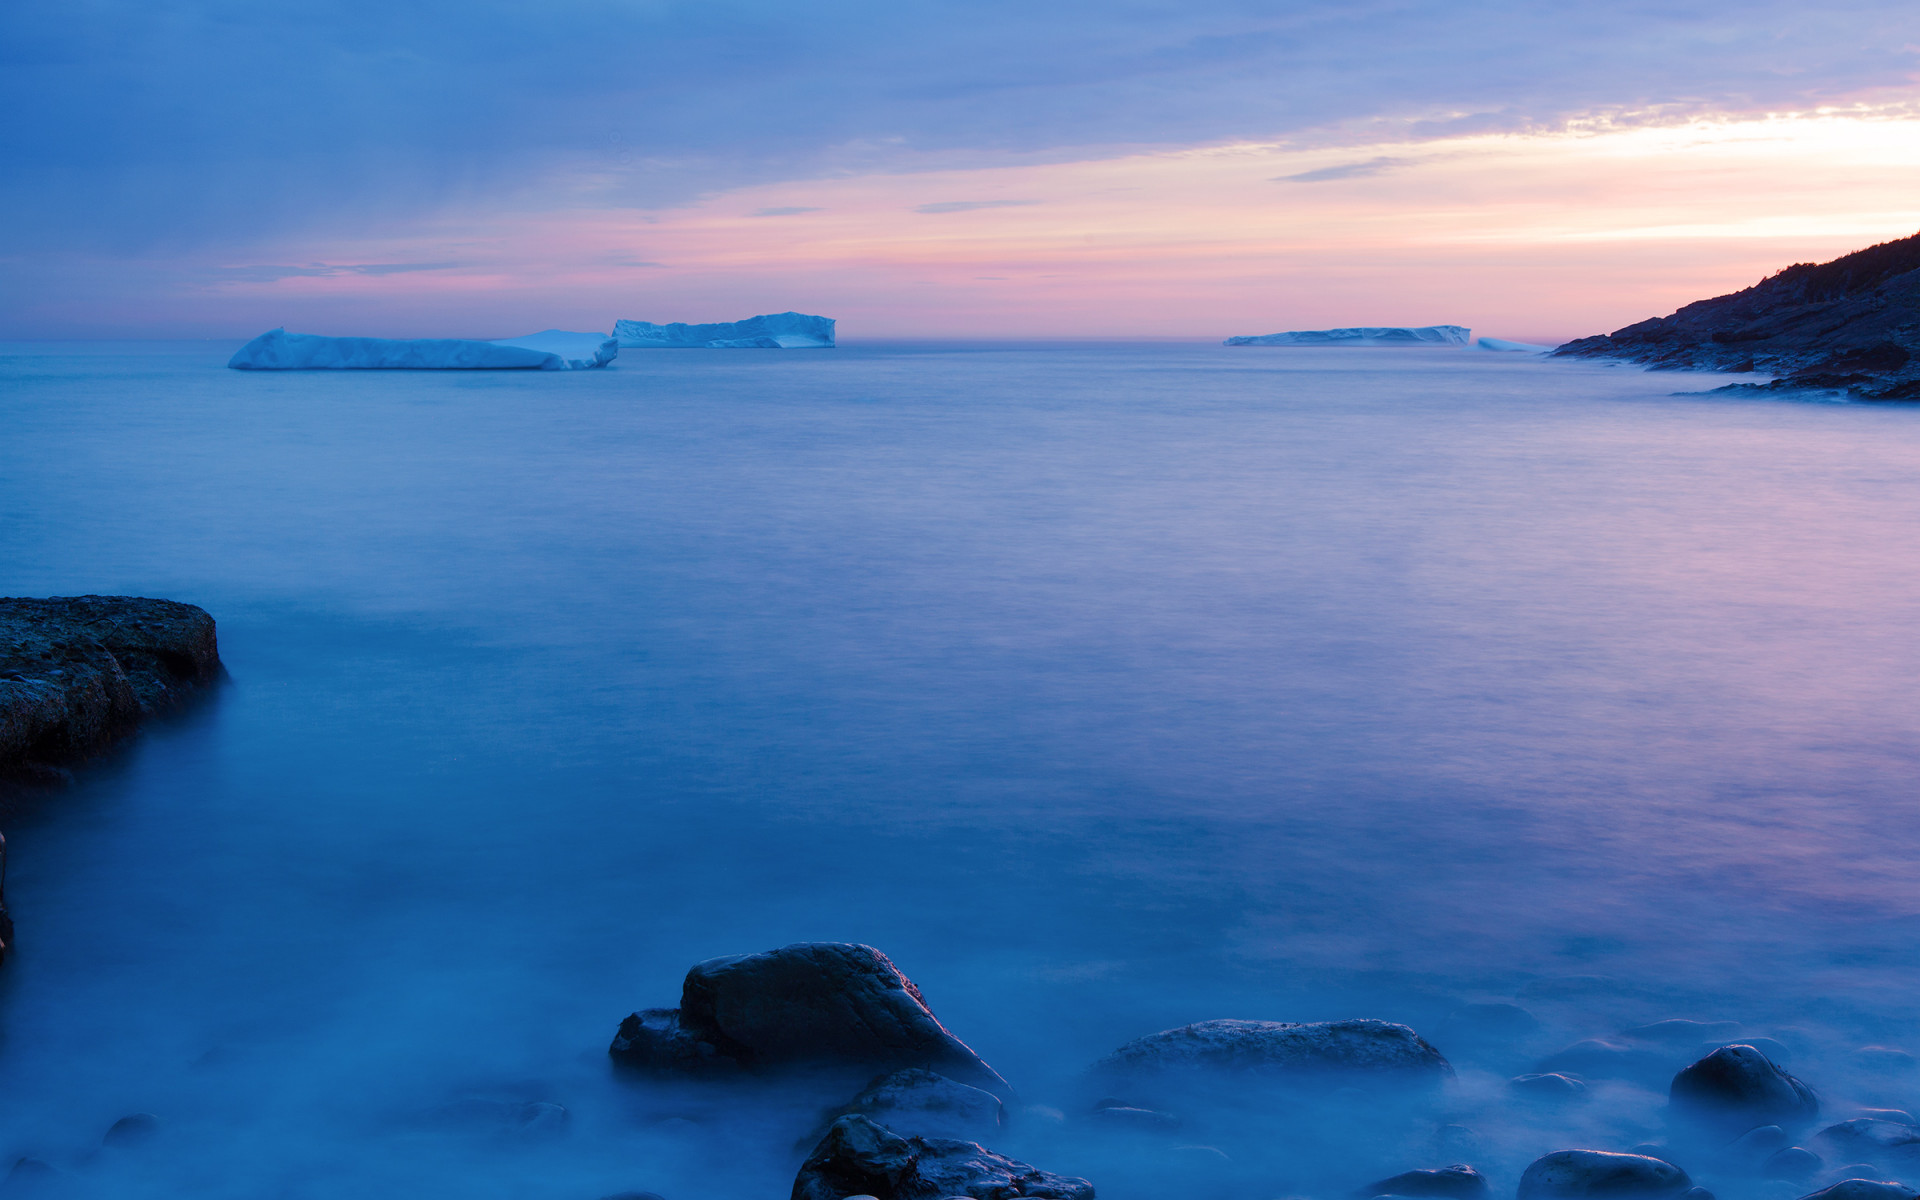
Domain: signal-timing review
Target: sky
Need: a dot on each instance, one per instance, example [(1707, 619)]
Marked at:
[(1069, 169)]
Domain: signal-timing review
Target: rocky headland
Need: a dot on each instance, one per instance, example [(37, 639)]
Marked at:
[(1852, 324), (77, 673)]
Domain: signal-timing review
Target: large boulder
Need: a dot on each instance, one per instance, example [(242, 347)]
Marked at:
[(1197, 1058), (1599, 1175), (1737, 1088), (861, 1158), (823, 1004), (77, 672)]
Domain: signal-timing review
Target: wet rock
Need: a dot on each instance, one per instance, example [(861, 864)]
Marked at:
[(1864, 1189), (1795, 1162), (1459, 1181), (1736, 1088), (1680, 1032), (1597, 1058), (1197, 1058), (1873, 1141), (79, 672), (136, 1129), (1757, 1144), (1550, 1086), (1596, 1173), (920, 1102), (824, 1004), (858, 1157), (1114, 1114)]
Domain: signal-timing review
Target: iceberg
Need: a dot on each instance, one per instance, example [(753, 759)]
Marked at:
[(549, 350), (1425, 335), (775, 331), (1502, 344)]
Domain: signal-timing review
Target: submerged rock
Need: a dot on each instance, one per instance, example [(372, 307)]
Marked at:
[(1795, 1162), (1596, 1173), (1113, 1114), (824, 1004), (136, 1129), (858, 1157), (1459, 1182), (1864, 1189), (920, 1102), (1737, 1088), (79, 672), (1872, 1140), (1325, 1054), (1548, 1087), (1678, 1031)]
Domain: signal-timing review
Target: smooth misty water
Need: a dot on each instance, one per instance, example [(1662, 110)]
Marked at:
[(1106, 688)]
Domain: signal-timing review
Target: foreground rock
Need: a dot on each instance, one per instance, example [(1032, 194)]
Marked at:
[(79, 672), (1864, 1189), (861, 1158), (832, 1005), (920, 1102), (1591, 1174), (1737, 1088), (1196, 1059), (1457, 1182), (772, 331), (1852, 323), (1372, 335)]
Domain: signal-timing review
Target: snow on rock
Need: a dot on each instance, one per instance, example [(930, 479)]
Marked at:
[(1425, 335), (774, 331), (551, 350)]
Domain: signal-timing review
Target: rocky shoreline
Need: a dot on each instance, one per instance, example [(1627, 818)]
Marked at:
[(807, 1018), (1851, 325), (78, 673)]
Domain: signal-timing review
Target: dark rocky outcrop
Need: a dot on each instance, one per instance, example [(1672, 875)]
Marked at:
[(1737, 1088), (826, 1005), (1198, 1058), (860, 1158), (1853, 324), (1597, 1174), (78, 672), (920, 1102), (1456, 1182)]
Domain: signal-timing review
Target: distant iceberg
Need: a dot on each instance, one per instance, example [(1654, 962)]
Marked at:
[(549, 350), (1502, 344), (1426, 335), (777, 331)]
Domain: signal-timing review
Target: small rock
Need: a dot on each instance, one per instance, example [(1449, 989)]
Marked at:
[(1898, 1115), (136, 1129), (1757, 1144), (916, 1101), (1864, 1189), (1736, 1088), (1874, 1141), (1115, 1115), (830, 1004), (1548, 1086), (858, 1157), (1321, 1056), (31, 1177), (1459, 1181), (1795, 1162), (1596, 1173)]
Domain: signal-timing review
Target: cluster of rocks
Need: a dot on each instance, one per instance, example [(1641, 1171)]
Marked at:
[(919, 1124), (1851, 324)]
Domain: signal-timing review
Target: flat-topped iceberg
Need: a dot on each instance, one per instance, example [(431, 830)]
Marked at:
[(1507, 347), (549, 350), (775, 331), (1390, 335)]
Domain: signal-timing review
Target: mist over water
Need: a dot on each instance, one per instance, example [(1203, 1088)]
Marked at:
[(1105, 688)]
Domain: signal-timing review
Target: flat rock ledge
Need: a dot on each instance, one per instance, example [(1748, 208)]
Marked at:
[(77, 673)]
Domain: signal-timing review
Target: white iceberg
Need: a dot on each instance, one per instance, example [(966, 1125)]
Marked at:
[(774, 331), (549, 350), (1507, 347), (1425, 335)]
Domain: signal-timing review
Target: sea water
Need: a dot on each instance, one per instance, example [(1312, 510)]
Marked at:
[(1104, 687)]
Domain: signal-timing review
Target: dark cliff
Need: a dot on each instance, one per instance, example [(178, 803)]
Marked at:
[(1853, 323)]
